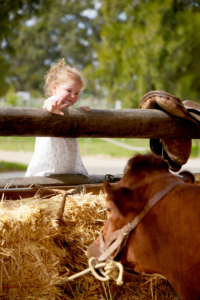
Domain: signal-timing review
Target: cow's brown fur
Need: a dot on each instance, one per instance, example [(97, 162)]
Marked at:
[(167, 240)]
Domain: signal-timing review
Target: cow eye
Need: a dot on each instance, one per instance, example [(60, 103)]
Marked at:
[(108, 209)]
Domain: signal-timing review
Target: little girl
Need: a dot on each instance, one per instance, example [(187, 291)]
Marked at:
[(59, 155)]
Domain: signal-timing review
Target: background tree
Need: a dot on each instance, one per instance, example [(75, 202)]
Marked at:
[(124, 48), (66, 29), (148, 45), (12, 15)]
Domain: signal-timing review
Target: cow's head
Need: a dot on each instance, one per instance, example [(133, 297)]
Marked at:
[(126, 199)]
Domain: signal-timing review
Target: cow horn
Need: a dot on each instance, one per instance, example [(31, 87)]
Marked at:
[(127, 168)]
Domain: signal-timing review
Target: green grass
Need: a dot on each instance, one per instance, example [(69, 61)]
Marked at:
[(88, 146), (11, 167), (94, 146), (12, 143), (195, 148)]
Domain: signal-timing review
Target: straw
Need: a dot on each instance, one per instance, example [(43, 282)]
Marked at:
[(36, 253)]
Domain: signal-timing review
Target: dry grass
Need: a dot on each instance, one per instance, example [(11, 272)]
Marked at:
[(36, 252)]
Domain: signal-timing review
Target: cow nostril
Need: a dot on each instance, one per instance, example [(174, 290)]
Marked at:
[(88, 253)]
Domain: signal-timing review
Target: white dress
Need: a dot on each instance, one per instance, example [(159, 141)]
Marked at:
[(54, 155)]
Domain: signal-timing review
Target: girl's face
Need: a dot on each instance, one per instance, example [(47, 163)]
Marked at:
[(68, 91)]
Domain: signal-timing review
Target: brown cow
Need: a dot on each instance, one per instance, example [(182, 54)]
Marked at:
[(166, 240)]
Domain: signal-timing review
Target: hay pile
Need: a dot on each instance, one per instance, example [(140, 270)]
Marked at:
[(36, 252)]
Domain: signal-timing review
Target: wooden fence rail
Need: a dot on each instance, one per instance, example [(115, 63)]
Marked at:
[(126, 123)]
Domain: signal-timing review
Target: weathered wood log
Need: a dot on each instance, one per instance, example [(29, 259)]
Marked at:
[(126, 123)]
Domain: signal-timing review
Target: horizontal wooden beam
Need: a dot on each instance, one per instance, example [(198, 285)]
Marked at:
[(126, 123), (24, 186), (48, 192), (58, 180)]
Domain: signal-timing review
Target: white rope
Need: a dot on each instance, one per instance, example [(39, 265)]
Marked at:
[(113, 270)]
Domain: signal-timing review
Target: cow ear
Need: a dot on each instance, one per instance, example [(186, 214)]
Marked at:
[(121, 196), (109, 190), (186, 176)]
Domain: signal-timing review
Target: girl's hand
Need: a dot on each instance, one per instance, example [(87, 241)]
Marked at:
[(86, 108), (56, 107)]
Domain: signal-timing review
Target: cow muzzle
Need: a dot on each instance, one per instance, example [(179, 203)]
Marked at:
[(94, 249)]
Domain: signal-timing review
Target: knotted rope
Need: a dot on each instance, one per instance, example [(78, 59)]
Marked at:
[(112, 270)]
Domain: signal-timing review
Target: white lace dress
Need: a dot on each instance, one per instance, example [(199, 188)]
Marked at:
[(56, 156)]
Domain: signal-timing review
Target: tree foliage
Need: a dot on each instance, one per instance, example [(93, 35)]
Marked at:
[(149, 45), (125, 48), (12, 15), (62, 29)]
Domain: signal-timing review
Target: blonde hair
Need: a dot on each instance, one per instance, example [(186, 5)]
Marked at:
[(61, 73)]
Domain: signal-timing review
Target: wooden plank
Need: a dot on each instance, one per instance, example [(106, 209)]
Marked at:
[(126, 123), (43, 192), (54, 180)]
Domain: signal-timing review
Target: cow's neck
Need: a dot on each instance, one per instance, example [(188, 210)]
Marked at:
[(152, 183), (148, 187), (117, 239), (145, 191), (146, 253), (159, 240)]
